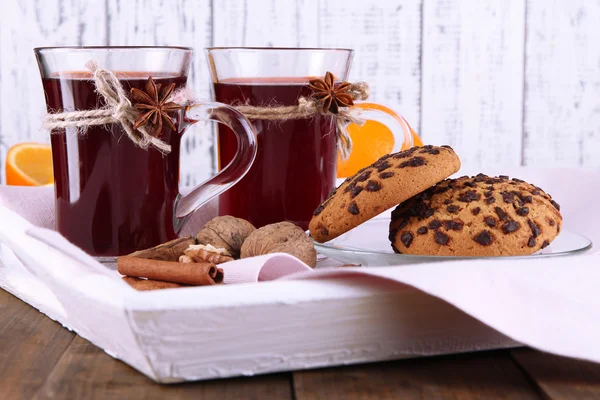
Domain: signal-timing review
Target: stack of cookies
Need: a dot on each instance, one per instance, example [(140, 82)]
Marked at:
[(468, 216)]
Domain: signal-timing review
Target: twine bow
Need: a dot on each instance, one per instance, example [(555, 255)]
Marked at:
[(118, 109)]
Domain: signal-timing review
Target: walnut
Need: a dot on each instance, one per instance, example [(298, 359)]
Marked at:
[(227, 233), (205, 253), (282, 237)]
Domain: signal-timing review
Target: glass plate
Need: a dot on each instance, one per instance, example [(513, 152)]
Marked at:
[(367, 244)]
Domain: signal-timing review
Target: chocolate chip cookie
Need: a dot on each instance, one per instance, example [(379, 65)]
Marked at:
[(372, 190), (476, 216)]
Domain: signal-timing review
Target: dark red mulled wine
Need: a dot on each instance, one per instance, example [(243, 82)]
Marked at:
[(112, 197), (295, 166)]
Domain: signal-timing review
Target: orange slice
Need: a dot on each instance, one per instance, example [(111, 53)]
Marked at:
[(371, 141), (29, 164)]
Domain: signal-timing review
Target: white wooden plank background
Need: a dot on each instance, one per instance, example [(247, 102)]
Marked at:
[(562, 92), (473, 78), (504, 81)]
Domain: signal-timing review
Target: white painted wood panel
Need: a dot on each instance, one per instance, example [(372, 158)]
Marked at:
[(473, 78), (387, 39), (562, 96), (268, 23), (23, 26), (176, 23), (462, 85)]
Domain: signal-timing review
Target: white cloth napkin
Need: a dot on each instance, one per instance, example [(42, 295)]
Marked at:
[(551, 304)]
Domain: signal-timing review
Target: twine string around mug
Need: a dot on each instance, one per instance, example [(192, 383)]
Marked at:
[(119, 109), (309, 108)]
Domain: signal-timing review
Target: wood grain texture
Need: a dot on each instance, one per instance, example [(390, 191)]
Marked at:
[(30, 346), (36, 23), (473, 78), (263, 24), (174, 23), (499, 93), (41, 360), (560, 378), (86, 372), (562, 96), (491, 375), (387, 39)]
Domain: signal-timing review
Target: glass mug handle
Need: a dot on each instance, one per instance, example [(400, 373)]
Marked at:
[(233, 172), (404, 136)]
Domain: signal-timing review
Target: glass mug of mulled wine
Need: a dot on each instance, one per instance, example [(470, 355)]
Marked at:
[(295, 168), (114, 197)]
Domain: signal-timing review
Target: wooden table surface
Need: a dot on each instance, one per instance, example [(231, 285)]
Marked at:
[(39, 359)]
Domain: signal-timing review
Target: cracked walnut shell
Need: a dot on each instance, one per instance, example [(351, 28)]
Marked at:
[(282, 237), (205, 253)]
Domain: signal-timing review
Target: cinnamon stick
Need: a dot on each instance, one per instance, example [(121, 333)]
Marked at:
[(169, 251), (149, 284), (198, 274)]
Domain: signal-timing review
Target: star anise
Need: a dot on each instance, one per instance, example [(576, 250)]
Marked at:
[(332, 97), (153, 107)]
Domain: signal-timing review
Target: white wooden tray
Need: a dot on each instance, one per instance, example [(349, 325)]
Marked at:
[(222, 331)]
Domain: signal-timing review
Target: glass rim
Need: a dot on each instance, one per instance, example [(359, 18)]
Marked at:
[(38, 50), (332, 49)]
